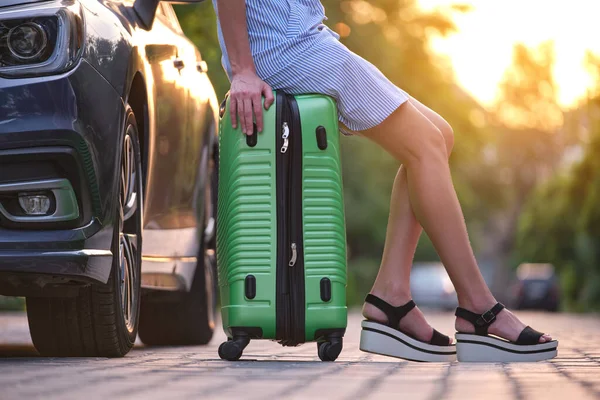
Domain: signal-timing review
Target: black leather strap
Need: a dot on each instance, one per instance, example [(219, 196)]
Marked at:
[(394, 314), (481, 322), (529, 336), (439, 339)]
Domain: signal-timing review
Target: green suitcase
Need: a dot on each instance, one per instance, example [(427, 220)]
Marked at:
[(281, 239)]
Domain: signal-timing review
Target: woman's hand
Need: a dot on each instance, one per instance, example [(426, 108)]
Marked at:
[(245, 97), (247, 88)]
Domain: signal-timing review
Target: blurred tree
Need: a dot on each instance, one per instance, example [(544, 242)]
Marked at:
[(528, 91), (592, 63), (561, 221), (560, 225), (525, 148), (527, 121)]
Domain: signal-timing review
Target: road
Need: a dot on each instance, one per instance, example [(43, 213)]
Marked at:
[(269, 371)]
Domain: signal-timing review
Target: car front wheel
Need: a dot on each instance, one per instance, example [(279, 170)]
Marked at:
[(102, 320)]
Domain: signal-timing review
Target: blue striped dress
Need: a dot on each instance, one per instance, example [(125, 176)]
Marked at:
[(295, 52)]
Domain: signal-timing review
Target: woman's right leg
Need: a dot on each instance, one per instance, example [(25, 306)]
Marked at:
[(403, 231), (419, 145)]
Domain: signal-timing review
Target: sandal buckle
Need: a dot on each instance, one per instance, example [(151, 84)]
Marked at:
[(488, 316)]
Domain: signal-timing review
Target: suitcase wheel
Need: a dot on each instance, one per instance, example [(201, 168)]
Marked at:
[(232, 349), (329, 351)]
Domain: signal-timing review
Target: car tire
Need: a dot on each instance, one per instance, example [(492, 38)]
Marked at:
[(102, 320), (180, 319), (185, 318)]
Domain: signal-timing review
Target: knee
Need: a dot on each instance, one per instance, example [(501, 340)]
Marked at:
[(448, 135), (430, 147)]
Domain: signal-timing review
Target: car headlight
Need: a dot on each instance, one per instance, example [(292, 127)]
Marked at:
[(41, 39)]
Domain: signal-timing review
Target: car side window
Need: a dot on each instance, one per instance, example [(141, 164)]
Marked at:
[(160, 13), (167, 14)]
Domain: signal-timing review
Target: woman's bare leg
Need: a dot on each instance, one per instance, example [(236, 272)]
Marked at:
[(403, 231), (416, 142)]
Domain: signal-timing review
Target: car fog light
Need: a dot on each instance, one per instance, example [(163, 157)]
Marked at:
[(27, 41), (34, 204)]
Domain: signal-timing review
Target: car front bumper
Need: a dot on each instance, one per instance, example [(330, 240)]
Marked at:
[(63, 128)]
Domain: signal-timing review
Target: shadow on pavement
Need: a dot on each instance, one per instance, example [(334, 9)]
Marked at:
[(17, 350)]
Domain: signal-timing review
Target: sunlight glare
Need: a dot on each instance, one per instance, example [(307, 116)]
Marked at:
[(481, 50)]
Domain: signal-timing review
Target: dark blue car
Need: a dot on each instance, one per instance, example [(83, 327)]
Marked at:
[(107, 175)]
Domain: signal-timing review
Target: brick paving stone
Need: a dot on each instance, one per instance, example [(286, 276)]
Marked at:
[(269, 371), (564, 390)]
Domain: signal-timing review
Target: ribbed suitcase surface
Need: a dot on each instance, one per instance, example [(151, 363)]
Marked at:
[(246, 227), (281, 246), (323, 215)]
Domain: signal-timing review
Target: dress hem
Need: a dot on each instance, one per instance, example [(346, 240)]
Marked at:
[(353, 128)]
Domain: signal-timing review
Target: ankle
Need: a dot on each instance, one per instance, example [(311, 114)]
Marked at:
[(393, 294), (477, 303)]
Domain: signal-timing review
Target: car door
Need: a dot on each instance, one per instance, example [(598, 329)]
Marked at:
[(194, 154), (170, 230)]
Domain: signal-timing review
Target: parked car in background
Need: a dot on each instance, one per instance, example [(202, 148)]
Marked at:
[(107, 175), (536, 287), (431, 287)]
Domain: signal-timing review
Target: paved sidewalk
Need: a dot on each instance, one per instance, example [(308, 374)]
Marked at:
[(269, 371)]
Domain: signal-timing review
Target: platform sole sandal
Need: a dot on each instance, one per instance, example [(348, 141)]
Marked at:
[(388, 340), (475, 348), (381, 339), (481, 347)]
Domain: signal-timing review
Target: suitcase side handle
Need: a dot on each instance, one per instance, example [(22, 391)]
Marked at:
[(321, 133), (252, 140)]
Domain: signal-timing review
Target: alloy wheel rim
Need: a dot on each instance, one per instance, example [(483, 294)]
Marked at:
[(128, 232), (128, 178)]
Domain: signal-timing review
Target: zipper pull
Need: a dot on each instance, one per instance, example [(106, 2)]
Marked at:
[(294, 255), (284, 136)]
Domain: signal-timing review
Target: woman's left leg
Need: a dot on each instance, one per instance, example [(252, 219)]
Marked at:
[(393, 279)]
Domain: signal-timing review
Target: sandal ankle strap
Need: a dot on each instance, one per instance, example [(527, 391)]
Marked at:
[(481, 322), (394, 314)]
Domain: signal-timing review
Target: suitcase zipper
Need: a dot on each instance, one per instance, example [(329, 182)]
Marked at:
[(296, 264), (290, 308), (285, 135), (282, 305), (294, 256)]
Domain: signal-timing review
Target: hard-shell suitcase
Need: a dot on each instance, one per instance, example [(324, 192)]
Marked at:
[(281, 241)]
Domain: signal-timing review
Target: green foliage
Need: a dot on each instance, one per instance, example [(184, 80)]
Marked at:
[(527, 142), (12, 303), (561, 225), (528, 90), (361, 275)]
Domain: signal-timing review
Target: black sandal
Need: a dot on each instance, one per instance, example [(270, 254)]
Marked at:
[(481, 347), (388, 340)]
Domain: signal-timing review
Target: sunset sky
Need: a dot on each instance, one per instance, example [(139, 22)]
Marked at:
[(492, 28)]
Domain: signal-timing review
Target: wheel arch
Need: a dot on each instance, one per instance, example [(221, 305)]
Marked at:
[(137, 98), (210, 144)]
